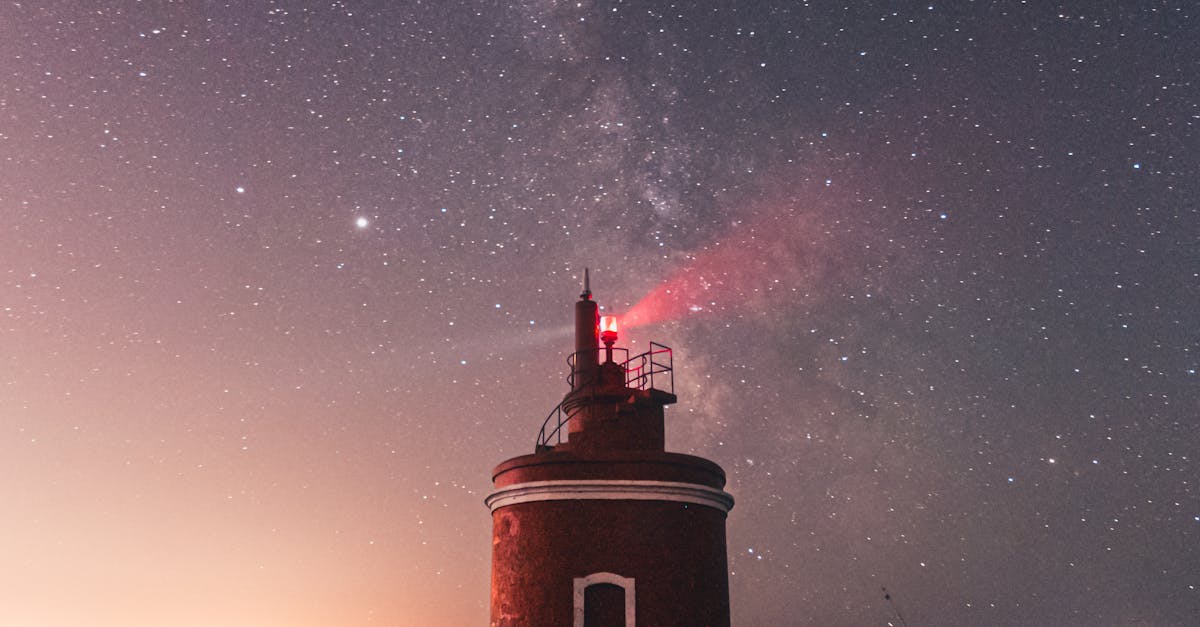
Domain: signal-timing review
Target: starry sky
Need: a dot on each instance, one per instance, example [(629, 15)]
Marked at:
[(281, 282)]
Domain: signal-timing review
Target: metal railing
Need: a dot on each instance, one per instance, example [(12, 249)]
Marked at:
[(651, 370), (595, 354), (556, 433)]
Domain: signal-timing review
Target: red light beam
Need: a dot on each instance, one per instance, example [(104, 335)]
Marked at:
[(777, 254)]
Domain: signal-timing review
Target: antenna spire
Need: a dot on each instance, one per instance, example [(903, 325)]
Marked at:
[(587, 286)]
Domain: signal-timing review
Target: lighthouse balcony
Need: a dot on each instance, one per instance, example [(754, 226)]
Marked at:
[(644, 381)]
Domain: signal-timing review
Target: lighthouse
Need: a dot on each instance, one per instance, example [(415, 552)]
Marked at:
[(600, 526)]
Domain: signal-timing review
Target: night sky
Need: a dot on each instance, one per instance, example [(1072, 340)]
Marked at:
[(281, 282)]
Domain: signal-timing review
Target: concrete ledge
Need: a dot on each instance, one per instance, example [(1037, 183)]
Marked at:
[(564, 465)]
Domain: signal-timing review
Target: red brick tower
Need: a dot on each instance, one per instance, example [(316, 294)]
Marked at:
[(603, 527)]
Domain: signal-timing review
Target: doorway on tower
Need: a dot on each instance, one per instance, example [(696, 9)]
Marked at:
[(604, 600), (604, 605)]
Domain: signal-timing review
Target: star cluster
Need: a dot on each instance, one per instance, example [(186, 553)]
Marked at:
[(280, 282)]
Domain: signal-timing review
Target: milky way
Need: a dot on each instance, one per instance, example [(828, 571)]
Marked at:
[(280, 282)]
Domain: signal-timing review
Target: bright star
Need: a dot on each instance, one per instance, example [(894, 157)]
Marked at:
[(362, 222)]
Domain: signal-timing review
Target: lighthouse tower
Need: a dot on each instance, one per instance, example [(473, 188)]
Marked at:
[(600, 526)]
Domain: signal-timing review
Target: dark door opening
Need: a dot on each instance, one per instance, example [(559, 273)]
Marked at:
[(604, 605)]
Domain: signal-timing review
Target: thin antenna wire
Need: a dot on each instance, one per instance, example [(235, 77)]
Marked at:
[(888, 597), (587, 285)]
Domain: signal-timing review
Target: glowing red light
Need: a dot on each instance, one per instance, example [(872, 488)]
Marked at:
[(608, 329)]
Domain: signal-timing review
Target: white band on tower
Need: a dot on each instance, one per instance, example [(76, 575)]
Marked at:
[(609, 490)]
